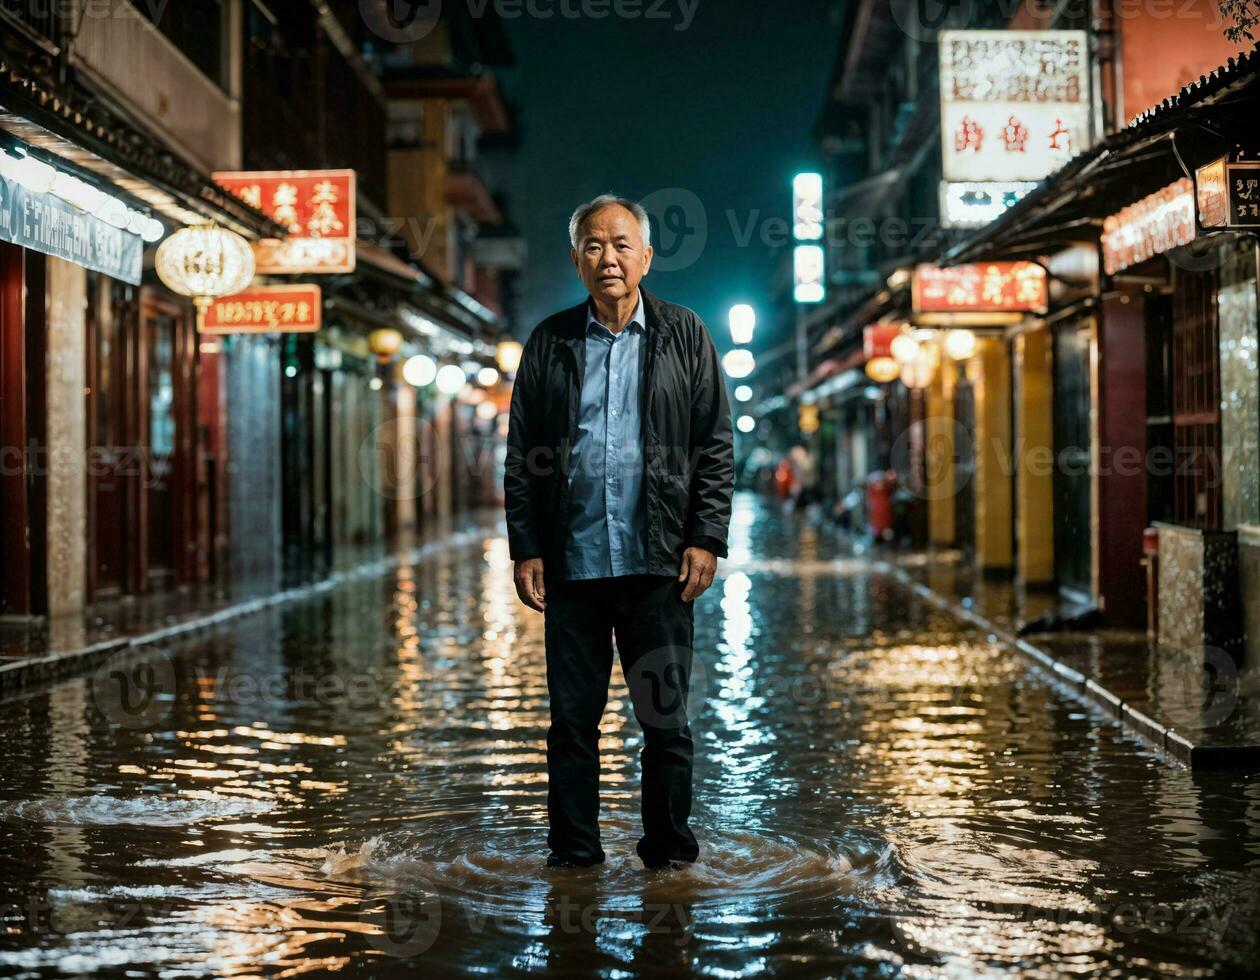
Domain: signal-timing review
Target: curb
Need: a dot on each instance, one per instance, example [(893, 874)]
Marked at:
[(1166, 741), (19, 676)]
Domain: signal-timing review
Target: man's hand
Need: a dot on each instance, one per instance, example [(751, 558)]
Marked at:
[(528, 575), (698, 566)]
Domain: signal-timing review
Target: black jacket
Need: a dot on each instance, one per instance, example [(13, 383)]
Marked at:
[(687, 452)]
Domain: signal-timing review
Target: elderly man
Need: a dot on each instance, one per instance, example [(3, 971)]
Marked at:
[(618, 493)]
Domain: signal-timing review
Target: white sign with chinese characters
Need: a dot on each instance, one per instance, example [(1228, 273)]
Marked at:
[(1014, 104)]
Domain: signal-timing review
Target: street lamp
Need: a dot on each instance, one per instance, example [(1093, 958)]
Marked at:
[(807, 270), (419, 371), (450, 379), (807, 207), (738, 363), (743, 318), (743, 393), (745, 423)]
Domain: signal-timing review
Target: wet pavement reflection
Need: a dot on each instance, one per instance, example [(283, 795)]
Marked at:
[(357, 783)]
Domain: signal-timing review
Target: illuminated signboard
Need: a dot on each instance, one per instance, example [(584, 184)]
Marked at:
[(1014, 104), (1228, 194), (973, 204), (1155, 224), (877, 339), (807, 207), (982, 287), (807, 267), (266, 309), (316, 206), (1209, 190)]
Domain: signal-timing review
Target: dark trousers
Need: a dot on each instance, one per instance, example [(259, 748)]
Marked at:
[(654, 631)]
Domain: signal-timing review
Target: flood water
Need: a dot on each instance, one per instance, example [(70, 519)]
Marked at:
[(357, 783)]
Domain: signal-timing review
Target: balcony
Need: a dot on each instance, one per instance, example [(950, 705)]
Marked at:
[(468, 194), (125, 57)]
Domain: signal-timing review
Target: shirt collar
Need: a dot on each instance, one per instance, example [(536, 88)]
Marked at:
[(637, 322)]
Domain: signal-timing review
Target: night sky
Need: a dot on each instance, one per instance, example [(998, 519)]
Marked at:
[(722, 110)]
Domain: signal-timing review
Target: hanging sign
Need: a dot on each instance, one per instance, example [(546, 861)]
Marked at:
[(981, 287), (1014, 104), (1157, 223), (316, 206), (45, 223), (1228, 194), (266, 309)]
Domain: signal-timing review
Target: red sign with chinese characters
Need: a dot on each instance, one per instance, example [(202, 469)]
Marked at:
[(983, 287), (877, 339), (318, 208), (266, 309), (1014, 104)]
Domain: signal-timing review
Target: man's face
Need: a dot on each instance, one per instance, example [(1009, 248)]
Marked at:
[(610, 257)]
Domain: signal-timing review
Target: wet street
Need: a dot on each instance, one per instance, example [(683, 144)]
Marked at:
[(357, 783)]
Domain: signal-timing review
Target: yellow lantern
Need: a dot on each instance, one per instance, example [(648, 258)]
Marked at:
[(905, 349), (508, 355), (385, 343), (960, 344), (918, 375), (205, 262), (882, 369)]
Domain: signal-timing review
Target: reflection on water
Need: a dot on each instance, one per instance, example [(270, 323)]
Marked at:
[(357, 784)]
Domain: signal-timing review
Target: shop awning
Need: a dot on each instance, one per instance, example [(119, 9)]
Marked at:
[(100, 143), (1163, 144)]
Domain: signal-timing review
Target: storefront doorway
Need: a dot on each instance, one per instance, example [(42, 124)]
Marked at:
[(141, 414), (1072, 480)]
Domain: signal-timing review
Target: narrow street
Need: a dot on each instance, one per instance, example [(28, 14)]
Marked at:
[(357, 782)]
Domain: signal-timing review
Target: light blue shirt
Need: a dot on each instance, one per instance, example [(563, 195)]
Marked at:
[(606, 508)]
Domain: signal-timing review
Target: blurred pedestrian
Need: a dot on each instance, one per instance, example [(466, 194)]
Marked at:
[(618, 487)]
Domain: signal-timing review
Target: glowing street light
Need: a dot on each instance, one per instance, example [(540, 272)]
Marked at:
[(745, 423), (807, 207), (743, 393), (419, 371), (738, 363), (960, 344), (743, 318), (450, 379), (807, 267)]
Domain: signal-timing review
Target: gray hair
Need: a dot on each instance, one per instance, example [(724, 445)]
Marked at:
[(584, 212)]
